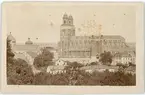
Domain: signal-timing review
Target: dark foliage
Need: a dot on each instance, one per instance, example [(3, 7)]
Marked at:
[(19, 72), (47, 79), (83, 78), (44, 59), (106, 58), (74, 65)]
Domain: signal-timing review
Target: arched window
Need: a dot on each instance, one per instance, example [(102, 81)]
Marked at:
[(80, 42), (69, 22), (64, 22)]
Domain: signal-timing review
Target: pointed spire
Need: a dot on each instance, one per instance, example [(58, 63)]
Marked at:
[(65, 16), (70, 17)]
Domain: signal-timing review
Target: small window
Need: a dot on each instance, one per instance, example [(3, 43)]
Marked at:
[(64, 22)]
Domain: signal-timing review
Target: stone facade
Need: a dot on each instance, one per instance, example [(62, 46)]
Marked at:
[(72, 46)]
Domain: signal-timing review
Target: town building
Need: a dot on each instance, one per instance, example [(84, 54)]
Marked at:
[(130, 70), (56, 69), (100, 68), (123, 58), (30, 49), (76, 47)]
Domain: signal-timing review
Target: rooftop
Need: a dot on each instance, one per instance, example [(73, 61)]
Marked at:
[(60, 67), (99, 67)]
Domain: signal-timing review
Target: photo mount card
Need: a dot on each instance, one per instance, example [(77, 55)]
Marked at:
[(72, 47)]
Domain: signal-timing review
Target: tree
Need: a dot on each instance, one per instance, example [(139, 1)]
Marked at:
[(19, 73), (43, 60), (106, 58)]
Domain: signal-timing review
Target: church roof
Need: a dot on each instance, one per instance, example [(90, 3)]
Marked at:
[(32, 54), (29, 42), (99, 67), (97, 37), (70, 17), (26, 47), (11, 38), (53, 68), (65, 16)]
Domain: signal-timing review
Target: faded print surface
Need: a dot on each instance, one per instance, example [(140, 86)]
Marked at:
[(70, 44)]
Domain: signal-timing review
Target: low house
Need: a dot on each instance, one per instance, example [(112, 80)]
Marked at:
[(56, 69), (123, 58), (100, 68), (93, 59), (60, 62), (131, 70)]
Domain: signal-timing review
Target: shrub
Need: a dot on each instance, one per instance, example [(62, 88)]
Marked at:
[(44, 59), (19, 73)]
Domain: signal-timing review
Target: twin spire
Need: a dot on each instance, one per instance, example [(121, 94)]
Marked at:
[(65, 16), (67, 20)]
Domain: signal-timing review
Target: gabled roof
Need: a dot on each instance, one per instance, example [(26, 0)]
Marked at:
[(60, 67), (32, 54), (131, 68), (99, 67), (26, 47)]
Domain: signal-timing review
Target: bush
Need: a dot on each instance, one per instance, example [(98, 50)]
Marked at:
[(106, 58), (48, 79), (19, 72), (83, 78), (44, 59)]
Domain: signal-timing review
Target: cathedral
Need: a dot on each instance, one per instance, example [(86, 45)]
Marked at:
[(72, 46)]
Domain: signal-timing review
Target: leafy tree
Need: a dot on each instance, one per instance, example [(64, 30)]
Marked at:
[(44, 59), (106, 58), (48, 79), (83, 78), (19, 73)]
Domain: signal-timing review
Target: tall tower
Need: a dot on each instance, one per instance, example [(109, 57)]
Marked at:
[(12, 40), (67, 30), (96, 48)]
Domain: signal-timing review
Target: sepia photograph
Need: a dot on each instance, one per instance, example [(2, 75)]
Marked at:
[(73, 44)]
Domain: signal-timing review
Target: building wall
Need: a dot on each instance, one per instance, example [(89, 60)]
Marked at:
[(72, 46)]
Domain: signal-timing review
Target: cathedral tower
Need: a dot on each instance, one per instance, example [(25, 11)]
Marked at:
[(67, 30)]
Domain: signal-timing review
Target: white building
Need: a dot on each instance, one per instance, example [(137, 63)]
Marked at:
[(60, 62), (100, 68), (56, 69), (123, 58)]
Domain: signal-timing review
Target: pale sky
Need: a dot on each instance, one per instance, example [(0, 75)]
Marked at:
[(33, 20)]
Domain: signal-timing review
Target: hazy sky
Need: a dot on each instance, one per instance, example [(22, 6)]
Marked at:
[(34, 19)]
